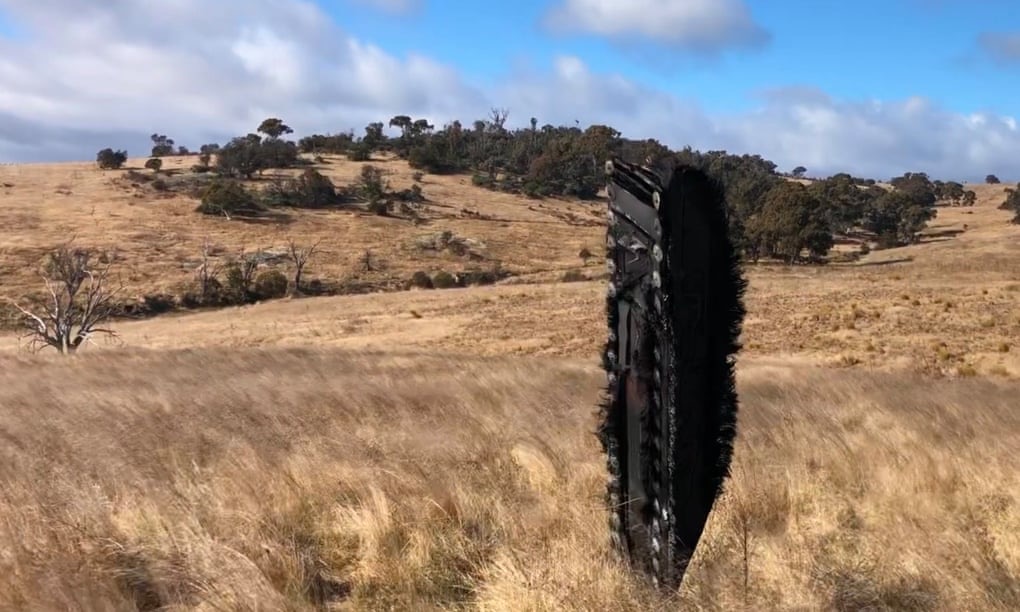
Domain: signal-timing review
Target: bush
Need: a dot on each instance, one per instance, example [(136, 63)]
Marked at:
[(315, 189), (373, 187), (227, 197), (108, 159), (481, 277), (421, 280), (443, 280), (414, 194), (310, 190), (270, 284), (236, 288), (155, 164), (359, 153), (417, 176), (158, 303)]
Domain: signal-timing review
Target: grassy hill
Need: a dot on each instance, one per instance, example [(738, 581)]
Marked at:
[(159, 236), (434, 449)]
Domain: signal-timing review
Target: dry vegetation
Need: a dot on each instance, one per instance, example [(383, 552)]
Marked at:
[(159, 237), (286, 478), (433, 449)]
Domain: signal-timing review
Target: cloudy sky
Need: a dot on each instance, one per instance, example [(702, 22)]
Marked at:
[(872, 87)]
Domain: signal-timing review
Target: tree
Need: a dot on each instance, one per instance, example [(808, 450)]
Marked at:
[(155, 164), (326, 143), (299, 256), (274, 128), (277, 153), (1012, 203), (917, 186), (842, 201), (403, 122), (242, 156), (799, 171), (374, 137), (991, 179), (790, 220), (950, 191), (161, 145), (897, 215), (373, 188), (80, 301), (108, 159)]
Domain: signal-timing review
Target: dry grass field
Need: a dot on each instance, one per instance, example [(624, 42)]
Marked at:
[(423, 450)]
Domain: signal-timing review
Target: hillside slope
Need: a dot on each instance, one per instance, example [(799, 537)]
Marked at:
[(159, 236), (947, 305), (433, 449), (287, 479)]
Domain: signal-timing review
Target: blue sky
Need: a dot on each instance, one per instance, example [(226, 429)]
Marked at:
[(886, 49), (871, 87)]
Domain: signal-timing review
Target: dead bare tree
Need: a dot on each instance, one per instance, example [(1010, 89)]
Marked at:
[(239, 276), (299, 256), (207, 272), (80, 301), (498, 117)]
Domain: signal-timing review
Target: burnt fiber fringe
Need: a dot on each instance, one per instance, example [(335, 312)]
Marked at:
[(700, 421)]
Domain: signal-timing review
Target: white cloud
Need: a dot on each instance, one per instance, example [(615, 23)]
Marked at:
[(699, 25), (203, 72), (198, 70)]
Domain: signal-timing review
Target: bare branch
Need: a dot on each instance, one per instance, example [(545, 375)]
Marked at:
[(207, 272), (74, 316), (300, 256)]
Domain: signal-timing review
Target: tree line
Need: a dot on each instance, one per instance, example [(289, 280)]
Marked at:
[(770, 215)]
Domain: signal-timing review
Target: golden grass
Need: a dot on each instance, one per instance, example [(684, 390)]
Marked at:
[(961, 283), (159, 239), (290, 479), (432, 449)]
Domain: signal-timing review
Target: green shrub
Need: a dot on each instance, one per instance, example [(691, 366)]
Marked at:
[(108, 159), (310, 190), (227, 197), (443, 280), (421, 280), (270, 284), (359, 152), (158, 303), (413, 195)]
